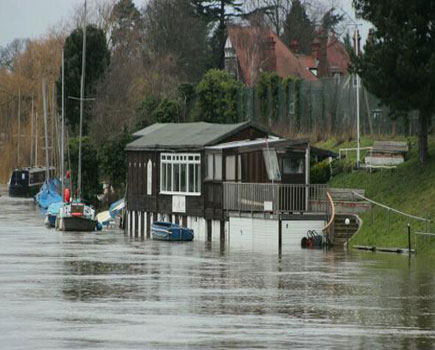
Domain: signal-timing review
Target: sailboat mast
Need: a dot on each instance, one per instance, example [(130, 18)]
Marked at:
[(44, 103), (31, 135), (62, 160), (82, 93), (36, 138), (19, 126)]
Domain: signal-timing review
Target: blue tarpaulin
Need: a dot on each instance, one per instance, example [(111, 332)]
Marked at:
[(49, 193)]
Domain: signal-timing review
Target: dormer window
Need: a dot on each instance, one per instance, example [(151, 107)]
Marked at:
[(314, 71)]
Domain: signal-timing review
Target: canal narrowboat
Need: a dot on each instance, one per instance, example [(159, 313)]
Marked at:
[(168, 231), (26, 182)]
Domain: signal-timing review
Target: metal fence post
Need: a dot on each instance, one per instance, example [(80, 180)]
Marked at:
[(409, 238)]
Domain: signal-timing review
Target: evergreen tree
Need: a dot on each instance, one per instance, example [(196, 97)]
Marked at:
[(112, 159), (217, 13), (91, 186), (398, 63), (218, 97), (298, 26), (97, 60)]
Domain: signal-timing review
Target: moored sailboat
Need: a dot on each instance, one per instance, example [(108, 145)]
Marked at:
[(75, 215)]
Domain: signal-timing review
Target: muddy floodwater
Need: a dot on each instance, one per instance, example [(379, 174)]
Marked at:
[(106, 291)]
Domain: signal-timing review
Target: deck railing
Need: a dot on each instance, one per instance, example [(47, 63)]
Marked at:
[(275, 198)]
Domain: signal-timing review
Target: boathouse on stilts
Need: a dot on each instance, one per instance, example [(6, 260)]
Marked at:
[(228, 182)]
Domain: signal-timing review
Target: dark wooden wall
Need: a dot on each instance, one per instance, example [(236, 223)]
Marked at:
[(209, 204)]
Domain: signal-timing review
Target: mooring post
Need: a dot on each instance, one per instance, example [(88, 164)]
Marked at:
[(347, 222), (409, 238)]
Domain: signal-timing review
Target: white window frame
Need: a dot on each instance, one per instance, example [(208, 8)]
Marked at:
[(178, 159)]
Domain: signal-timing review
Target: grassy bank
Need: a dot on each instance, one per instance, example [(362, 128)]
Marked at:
[(409, 188)]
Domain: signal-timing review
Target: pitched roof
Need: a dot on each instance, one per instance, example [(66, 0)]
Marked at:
[(287, 63), (337, 56), (184, 135), (253, 55)]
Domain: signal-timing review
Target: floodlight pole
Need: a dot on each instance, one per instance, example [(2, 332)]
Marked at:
[(358, 160)]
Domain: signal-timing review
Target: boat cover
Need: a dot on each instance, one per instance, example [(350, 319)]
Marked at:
[(49, 193)]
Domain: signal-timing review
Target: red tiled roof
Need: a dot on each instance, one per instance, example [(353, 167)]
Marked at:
[(246, 42), (337, 56), (253, 56), (287, 63)]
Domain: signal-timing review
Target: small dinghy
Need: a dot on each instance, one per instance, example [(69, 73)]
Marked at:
[(168, 231)]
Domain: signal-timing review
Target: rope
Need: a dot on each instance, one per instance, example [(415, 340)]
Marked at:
[(389, 208)]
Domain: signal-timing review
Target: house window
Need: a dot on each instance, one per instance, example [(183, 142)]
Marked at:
[(230, 168), (210, 160), (293, 166), (218, 166), (180, 173), (214, 166)]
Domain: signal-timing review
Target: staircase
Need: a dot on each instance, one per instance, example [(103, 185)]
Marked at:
[(341, 230)]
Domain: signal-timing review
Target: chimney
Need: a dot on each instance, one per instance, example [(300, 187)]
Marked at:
[(294, 46), (269, 54), (315, 48), (319, 52)]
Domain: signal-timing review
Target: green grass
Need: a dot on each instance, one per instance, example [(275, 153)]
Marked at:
[(409, 188)]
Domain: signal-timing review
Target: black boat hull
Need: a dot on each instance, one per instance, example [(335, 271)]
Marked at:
[(23, 191)]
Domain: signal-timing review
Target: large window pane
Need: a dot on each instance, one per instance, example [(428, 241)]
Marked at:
[(169, 177), (239, 168), (176, 178), (218, 166), (293, 166), (191, 178), (209, 174), (198, 178), (230, 168), (163, 183), (183, 178), (180, 172)]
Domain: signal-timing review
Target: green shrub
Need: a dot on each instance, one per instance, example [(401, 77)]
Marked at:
[(320, 173), (340, 166)]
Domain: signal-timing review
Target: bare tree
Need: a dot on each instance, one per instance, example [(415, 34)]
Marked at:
[(252, 44), (10, 52)]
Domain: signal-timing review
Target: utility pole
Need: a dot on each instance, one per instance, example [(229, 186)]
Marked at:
[(357, 39)]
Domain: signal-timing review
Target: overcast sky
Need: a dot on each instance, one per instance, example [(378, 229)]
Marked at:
[(33, 18)]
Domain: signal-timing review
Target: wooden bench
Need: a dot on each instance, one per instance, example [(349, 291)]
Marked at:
[(390, 147), (386, 154)]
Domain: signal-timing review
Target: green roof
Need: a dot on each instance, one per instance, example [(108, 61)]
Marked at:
[(183, 135)]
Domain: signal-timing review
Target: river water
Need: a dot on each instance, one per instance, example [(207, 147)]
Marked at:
[(106, 291)]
